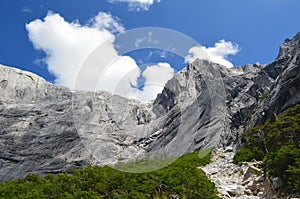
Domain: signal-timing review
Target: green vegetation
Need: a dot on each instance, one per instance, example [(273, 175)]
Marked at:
[(264, 96), (277, 144), (145, 164), (181, 179), (248, 116)]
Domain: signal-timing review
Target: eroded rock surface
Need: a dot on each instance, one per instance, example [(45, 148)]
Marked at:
[(45, 128)]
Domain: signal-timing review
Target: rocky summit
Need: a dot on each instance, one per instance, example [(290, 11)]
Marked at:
[(45, 128)]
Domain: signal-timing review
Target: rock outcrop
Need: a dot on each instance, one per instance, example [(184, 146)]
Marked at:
[(285, 91), (45, 128), (242, 181)]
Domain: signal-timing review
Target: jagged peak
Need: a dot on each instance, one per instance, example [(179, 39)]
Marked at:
[(288, 48)]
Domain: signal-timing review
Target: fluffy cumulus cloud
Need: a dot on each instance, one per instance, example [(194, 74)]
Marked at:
[(138, 5), (218, 54), (120, 77), (156, 77), (69, 44), (104, 21)]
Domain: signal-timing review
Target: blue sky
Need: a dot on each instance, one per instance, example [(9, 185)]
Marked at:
[(258, 27)]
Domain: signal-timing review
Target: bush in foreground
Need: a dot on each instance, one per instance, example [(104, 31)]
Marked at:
[(277, 143), (181, 179)]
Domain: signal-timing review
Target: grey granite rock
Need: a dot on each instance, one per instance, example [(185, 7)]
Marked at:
[(45, 128), (285, 88)]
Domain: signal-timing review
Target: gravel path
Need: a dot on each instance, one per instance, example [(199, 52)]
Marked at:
[(234, 181)]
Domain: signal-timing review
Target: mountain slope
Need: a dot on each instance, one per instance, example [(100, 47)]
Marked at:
[(46, 128)]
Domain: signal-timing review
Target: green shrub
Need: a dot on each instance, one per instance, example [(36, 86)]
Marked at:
[(277, 143), (264, 96), (243, 155), (246, 155), (284, 163), (181, 178)]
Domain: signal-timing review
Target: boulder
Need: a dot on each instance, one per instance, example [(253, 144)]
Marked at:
[(251, 171), (228, 149), (276, 182), (235, 190)]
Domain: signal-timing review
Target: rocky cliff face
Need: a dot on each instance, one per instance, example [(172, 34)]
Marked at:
[(50, 129), (37, 129), (285, 89), (45, 128)]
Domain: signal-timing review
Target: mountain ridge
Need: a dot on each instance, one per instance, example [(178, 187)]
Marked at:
[(47, 128)]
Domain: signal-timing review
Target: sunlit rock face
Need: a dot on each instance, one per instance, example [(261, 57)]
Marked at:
[(45, 128)]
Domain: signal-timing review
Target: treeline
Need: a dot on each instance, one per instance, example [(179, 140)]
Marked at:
[(277, 144), (181, 179)]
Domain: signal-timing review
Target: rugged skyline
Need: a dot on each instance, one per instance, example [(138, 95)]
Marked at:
[(46, 128), (254, 28)]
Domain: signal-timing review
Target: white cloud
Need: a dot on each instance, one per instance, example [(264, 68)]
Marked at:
[(124, 82), (138, 41), (163, 53), (145, 40), (156, 77), (138, 5), (27, 9), (161, 72), (104, 21), (218, 54), (119, 77), (68, 45)]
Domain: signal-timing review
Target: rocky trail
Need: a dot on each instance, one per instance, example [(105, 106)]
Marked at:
[(243, 181)]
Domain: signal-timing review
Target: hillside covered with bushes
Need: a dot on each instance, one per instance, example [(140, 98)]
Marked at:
[(277, 144), (181, 179)]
